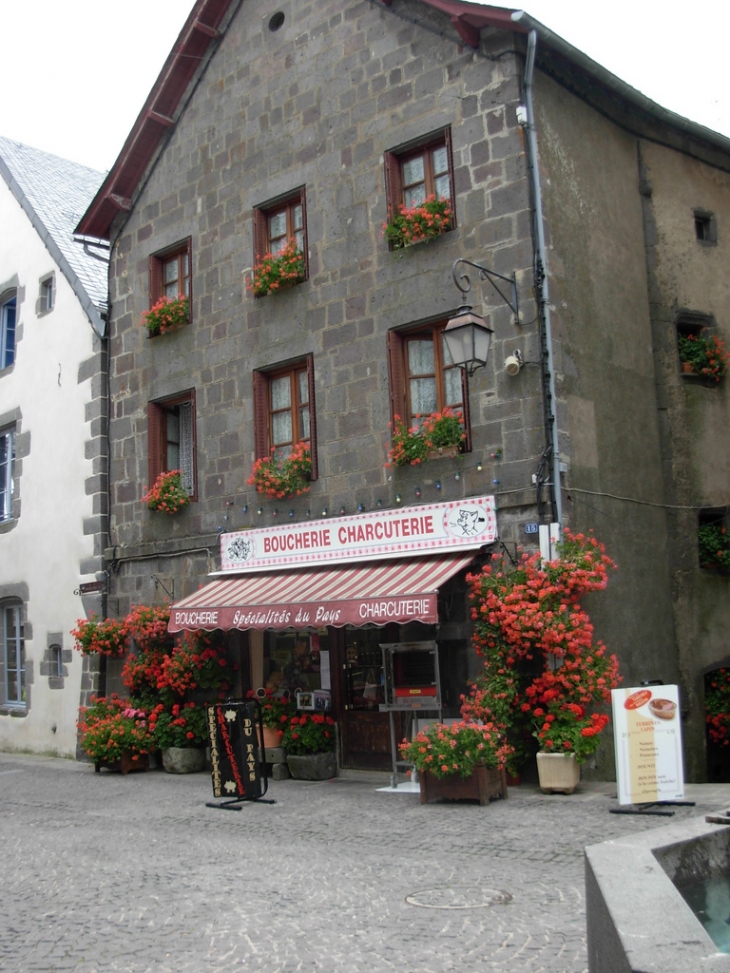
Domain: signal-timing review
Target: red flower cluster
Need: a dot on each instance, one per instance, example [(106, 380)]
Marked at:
[(276, 272), (167, 493), (107, 637), (531, 615), (717, 706), (167, 314), (414, 224), (283, 477), (436, 431)]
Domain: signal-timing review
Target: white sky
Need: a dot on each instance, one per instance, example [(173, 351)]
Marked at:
[(75, 73)]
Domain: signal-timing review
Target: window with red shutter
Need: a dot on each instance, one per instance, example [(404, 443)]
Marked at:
[(172, 440), (284, 412), (423, 378), (171, 274), (418, 170), (280, 222)]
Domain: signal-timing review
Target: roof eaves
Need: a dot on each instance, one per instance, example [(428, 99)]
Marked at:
[(185, 63), (615, 84)]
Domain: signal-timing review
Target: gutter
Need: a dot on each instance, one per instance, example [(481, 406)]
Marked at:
[(541, 281)]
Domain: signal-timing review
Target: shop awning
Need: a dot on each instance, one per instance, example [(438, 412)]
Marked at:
[(402, 590)]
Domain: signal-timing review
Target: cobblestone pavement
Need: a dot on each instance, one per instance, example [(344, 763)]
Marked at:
[(102, 872)]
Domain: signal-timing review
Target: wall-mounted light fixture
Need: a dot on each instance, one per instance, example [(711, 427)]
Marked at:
[(467, 335)]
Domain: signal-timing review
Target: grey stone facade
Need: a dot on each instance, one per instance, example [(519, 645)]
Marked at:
[(317, 102)]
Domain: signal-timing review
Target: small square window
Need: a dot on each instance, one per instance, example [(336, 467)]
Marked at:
[(705, 227)]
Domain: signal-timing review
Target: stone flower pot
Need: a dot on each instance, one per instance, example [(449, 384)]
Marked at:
[(183, 760), (312, 766), (557, 773)]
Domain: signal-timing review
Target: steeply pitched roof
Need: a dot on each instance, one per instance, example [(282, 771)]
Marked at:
[(54, 194), (208, 22)]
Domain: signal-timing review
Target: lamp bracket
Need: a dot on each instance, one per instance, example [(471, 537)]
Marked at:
[(462, 281)]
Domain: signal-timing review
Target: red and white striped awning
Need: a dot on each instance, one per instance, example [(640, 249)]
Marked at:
[(403, 590)]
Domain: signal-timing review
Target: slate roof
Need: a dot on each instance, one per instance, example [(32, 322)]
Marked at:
[(54, 194)]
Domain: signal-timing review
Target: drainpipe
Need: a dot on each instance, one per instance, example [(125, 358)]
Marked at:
[(541, 284)]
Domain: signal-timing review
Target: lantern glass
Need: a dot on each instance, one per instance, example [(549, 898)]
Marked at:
[(468, 338)]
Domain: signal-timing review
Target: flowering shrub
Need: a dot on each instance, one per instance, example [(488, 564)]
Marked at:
[(425, 221), (714, 546), (285, 477), (276, 272), (456, 749), (275, 710), (182, 725), (111, 727), (167, 314), (717, 706), (107, 636), (171, 681), (707, 355), (437, 431), (309, 733), (529, 618), (168, 494)]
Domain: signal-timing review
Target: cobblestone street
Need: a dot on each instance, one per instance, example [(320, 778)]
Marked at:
[(110, 873)]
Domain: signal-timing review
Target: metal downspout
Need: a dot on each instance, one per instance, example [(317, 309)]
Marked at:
[(541, 281)]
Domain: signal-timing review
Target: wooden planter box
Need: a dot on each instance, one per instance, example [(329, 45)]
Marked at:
[(484, 785)]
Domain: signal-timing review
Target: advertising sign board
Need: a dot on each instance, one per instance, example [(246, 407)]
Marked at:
[(648, 737), (234, 751)]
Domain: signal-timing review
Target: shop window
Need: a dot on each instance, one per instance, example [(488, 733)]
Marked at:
[(172, 440), (279, 223), (171, 274), (423, 378), (417, 171), (13, 655), (293, 662), (284, 412), (7, 471), (705, 227), (8, 307)]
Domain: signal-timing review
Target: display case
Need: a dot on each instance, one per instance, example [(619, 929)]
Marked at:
[(411, 671)]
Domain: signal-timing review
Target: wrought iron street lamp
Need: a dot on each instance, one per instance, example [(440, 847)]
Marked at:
[(467, 335)]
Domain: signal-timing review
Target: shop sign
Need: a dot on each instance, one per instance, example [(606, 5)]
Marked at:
[(234, 752), (400, 532), (648, 738)]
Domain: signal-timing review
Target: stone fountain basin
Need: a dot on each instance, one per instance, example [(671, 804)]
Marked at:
[(636, 918)]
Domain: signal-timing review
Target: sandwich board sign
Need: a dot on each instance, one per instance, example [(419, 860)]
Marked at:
[(648, 737)]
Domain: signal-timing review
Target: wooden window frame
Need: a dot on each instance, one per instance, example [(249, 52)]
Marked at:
[(394, 160), (157, 413), (399, 376), (157, 263), (262, 407), (262, 214)]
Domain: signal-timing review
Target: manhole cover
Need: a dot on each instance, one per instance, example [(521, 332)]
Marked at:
[(468, 898)]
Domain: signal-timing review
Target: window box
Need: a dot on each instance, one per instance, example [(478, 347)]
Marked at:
[(704, 353), (436, 435), (280, 476), (167, 315), (167, 493), (419, 224), (278, 272)]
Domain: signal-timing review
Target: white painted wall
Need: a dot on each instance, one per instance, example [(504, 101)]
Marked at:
[(45, 547)]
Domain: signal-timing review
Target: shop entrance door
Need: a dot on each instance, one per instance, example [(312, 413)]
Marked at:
[(364, 730)]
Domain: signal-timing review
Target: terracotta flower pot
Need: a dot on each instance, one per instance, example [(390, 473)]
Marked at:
[(271, 737)]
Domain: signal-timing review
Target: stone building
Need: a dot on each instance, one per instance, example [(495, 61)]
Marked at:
[(275, 121), (52, 444)]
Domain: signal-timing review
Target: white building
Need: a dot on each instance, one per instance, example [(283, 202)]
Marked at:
[(53, 487)]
